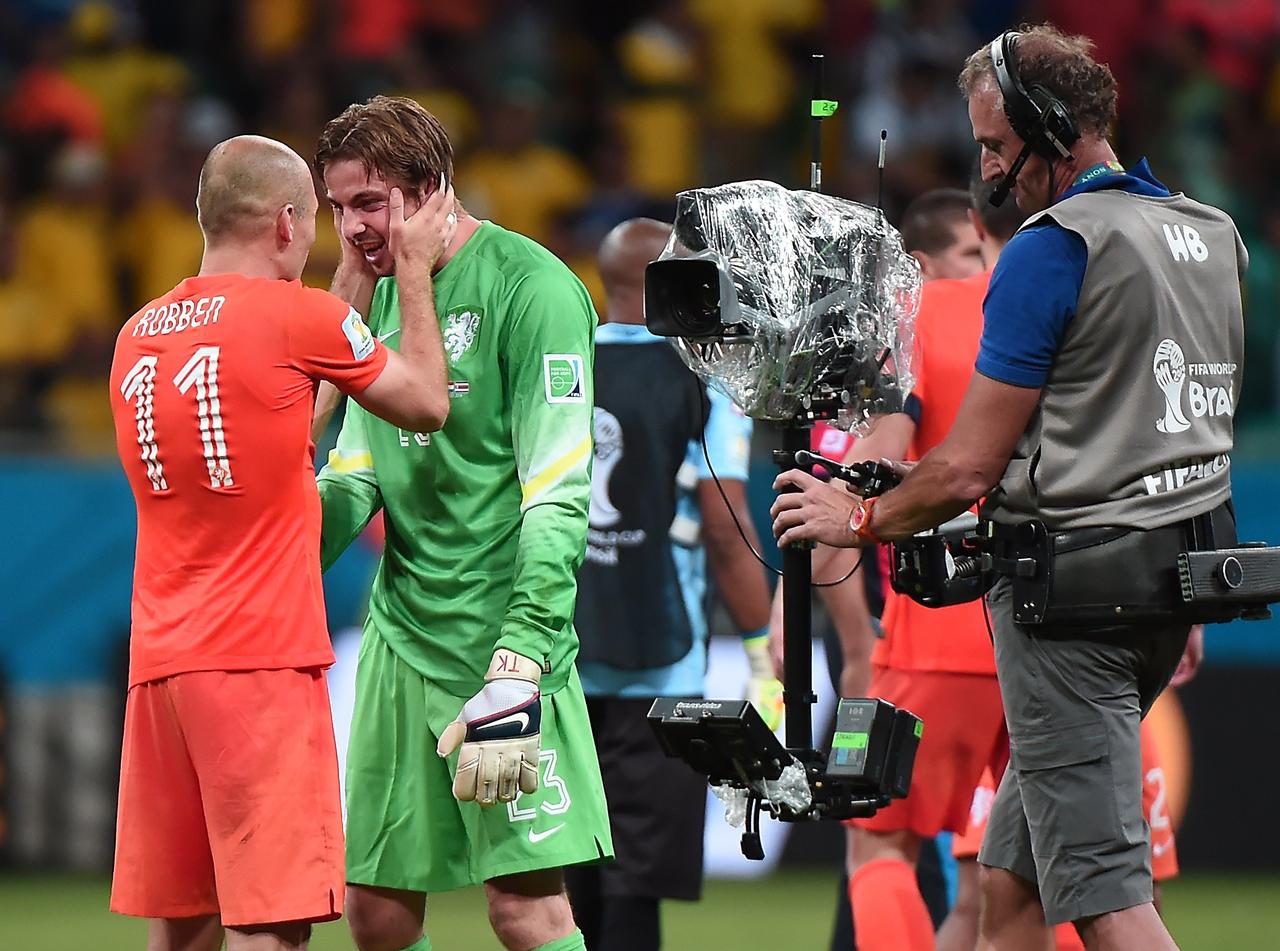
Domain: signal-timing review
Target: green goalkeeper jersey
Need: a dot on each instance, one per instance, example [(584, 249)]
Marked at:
[(486, 520)]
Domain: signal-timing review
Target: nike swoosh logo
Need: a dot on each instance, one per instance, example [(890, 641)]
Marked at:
[(1160, 848), (520, 718), (388, 335), (536, 837)]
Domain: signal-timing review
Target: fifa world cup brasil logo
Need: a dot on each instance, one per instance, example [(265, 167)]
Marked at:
[(608, 453), (1170, 369)]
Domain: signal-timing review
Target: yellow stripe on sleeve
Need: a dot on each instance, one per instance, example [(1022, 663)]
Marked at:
[(552, 473), (342, 464)]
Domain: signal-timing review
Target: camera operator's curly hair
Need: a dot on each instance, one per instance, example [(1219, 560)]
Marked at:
[(1062, 64)]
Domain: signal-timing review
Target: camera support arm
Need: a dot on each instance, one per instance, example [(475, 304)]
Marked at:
[(797, 614)]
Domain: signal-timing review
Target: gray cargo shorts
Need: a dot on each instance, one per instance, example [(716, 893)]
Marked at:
[(1068, 814)]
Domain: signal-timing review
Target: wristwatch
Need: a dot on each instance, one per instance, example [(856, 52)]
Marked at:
[(860, 521)]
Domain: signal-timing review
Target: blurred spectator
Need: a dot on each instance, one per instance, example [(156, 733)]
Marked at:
[(63, 248), (1260, 394), (908, 88), (158, 241), (751, 82), (110, 65), (1238, 35), (273, 29), (515, 177), (33, 339), (614, 200), (658, 113), (45, 104), (417, 76)]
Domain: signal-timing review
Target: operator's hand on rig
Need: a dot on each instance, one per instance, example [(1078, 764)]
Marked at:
[(809, 509)]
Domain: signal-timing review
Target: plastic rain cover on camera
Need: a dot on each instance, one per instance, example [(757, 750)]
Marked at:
[(790, 792), (735, 803), (826, 306)]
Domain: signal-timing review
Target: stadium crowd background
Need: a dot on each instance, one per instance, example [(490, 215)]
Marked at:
[(568, 117)]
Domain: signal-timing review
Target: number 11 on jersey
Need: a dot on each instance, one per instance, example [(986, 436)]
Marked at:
[(200, 372)]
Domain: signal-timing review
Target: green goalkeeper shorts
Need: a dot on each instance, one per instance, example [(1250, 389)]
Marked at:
[(404, 827)]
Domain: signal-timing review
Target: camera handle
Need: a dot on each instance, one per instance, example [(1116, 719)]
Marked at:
[(797, 616)]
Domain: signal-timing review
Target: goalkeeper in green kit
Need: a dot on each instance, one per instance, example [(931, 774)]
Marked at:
[(471, 757)]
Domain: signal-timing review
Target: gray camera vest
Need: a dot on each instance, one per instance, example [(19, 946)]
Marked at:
[(1134, 425)]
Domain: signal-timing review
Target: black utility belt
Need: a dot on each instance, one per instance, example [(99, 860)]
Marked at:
[(1189, 572)]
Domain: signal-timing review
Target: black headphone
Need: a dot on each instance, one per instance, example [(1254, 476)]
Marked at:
[(1040, 118)]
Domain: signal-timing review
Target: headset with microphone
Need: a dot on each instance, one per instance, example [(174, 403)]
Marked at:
[(1040, 118)]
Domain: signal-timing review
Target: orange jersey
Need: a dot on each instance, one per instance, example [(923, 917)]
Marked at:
[(212, 390), (948, 329), (1164, 850)]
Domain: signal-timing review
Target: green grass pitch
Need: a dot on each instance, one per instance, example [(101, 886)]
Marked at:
[(791, 911)]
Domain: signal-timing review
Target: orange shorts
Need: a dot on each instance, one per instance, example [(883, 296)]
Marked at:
[(964, 734), (229, 800), (1164, 853)]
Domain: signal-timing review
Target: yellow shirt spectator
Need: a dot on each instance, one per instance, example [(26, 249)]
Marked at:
[(524, 190), (750, 82), (658, 121), (63, 250), (160, 244)]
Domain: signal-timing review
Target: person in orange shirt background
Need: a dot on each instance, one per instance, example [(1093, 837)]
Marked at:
[(933, 662), (229, 814), (939, 231)]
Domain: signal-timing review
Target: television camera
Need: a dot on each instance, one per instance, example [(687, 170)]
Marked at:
[(798, 307)]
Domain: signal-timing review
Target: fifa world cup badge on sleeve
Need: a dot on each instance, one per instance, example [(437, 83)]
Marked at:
[(357, 334)]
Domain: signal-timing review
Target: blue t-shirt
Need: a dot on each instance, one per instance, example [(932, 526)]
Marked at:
[(728, 436), (1036, 285)]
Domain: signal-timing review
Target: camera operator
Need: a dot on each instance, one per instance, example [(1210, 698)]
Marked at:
[(1111, 279), (940, 231)]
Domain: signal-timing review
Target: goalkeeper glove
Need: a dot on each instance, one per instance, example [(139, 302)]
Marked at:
[(764, 690), (498, 731)]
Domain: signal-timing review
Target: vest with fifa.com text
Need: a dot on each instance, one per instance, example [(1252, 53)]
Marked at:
[(1134, 425)]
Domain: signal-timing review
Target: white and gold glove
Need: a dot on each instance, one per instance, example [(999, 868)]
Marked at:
[(498, 730)]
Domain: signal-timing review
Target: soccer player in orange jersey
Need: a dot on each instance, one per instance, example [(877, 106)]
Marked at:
[(229, 818), (933, 662)]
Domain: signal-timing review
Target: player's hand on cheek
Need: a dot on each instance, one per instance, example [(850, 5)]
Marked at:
[(353, 258), (418, 240), (818, 512)]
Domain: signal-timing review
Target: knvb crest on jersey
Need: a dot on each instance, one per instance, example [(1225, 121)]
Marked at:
[(460, 333)]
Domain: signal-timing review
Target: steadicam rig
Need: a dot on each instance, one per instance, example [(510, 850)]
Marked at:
[(798, 307)]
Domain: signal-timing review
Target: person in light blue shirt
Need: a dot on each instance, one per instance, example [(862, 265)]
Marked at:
[(658, 526)]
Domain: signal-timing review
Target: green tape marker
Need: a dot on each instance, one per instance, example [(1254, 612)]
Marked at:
[(823, 108), (919, 729), (849, 741)]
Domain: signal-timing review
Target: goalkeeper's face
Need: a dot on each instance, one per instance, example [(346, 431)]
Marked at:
[(361, 211)]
